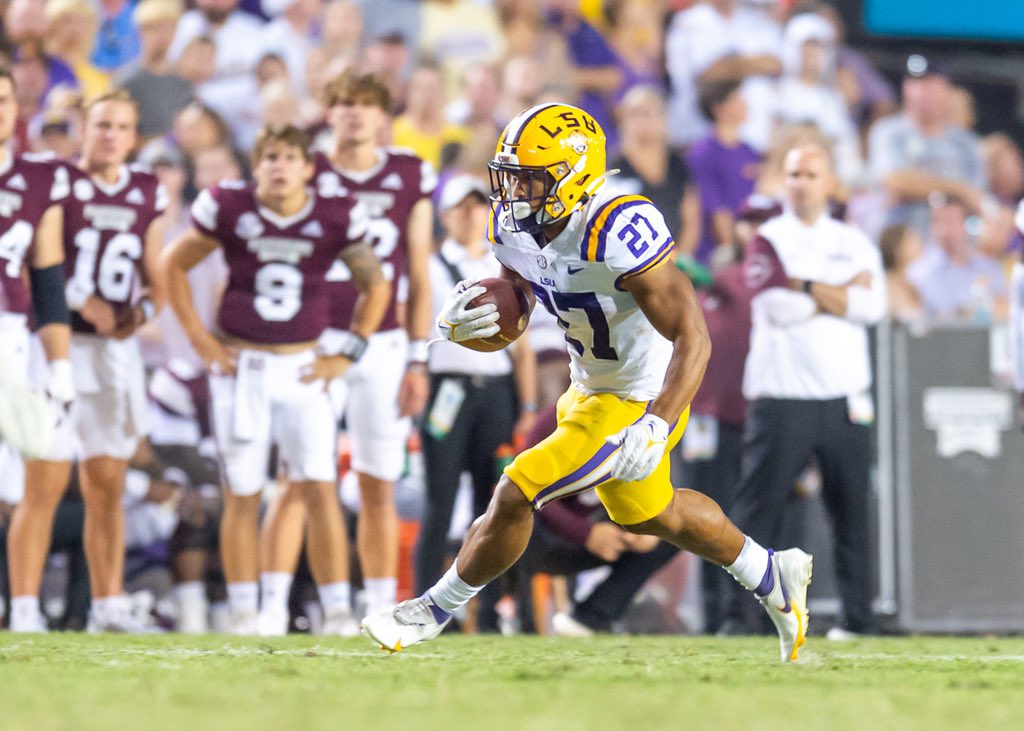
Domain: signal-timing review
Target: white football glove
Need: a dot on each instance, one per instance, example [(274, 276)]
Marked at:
[(61, 386), (456, 323), (641, 447)]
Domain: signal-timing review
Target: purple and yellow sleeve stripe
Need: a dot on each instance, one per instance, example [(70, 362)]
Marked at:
[(663, 254), (593, 244), (492, 226)]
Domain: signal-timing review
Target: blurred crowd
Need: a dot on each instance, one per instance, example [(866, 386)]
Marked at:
[(699, 100)]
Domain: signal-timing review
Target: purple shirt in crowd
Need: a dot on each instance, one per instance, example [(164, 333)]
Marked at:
[(725, 177)]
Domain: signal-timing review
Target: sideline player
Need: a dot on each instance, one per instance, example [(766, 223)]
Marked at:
[(638, 344), (31, 221), (113, 234), (389, 384), (268, 377)]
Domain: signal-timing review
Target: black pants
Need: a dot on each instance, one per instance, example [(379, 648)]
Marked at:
[(781, 436), (550, 553), (718, 478), (484, 422)]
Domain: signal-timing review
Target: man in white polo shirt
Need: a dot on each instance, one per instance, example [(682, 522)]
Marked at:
[(818, 285)]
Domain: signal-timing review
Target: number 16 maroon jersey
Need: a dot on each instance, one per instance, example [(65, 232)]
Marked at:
[(105, 237)]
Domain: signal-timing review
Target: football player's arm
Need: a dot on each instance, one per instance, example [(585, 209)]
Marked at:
[(175, 262), (413, 392), (47, 277), (153, 298), (374, 289), (667, 298)]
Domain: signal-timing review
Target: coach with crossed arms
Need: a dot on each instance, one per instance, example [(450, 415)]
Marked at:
[(818, 285)]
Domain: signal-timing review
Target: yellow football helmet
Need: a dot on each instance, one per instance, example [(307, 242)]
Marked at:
[(555, 154)]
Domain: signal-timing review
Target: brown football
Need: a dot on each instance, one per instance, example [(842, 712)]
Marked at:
[(513, 313)]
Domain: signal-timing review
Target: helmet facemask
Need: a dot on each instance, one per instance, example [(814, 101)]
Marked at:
[(529, 214)]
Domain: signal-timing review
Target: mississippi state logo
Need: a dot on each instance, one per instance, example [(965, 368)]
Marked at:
[(758, 270), (248, 226)]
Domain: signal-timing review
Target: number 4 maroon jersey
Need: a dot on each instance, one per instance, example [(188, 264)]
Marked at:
[(105, 238), (28, 187), (389, 191), (277, 266)]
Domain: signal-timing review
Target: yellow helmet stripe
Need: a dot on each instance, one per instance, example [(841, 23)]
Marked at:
[(591, 247)]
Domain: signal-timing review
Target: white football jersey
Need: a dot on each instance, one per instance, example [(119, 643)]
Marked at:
[(578, 277)]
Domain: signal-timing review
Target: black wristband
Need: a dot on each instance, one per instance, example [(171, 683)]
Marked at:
[(807, 286)]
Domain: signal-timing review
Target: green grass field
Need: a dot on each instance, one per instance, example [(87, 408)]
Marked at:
[(485, 684)]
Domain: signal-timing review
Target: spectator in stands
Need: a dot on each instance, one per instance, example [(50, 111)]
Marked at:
[(197, 127), (117, 43), (459, 34), (291, 36), (722, 40), (868, 94), (807, 91), (197, 60), (70, 35), (477, 106), (233, 31), (423, 127), (901, 247), (956, 281), (649, 168), (918, 152), (341, 29), (723, 166), (478, 401), (817, 284), (573, 535), (157, 89), (387, 58), (280, 104), (25, 27)]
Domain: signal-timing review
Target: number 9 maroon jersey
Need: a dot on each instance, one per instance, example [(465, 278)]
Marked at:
[(105, 237), (276, 290), (28, 187), (389, 191)]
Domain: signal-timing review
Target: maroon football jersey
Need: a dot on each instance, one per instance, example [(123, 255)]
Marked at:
[(28, 187), (277, 267), (105, 236), (389, 191)]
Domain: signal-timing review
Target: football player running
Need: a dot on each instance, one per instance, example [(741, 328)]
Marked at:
[(602, 264), (30, 236), (380, 393), (268, 376), (113, 234)]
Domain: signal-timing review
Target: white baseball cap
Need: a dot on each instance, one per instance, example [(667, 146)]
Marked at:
[(458, 188)]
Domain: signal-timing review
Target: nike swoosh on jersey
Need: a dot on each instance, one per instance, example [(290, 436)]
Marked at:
[(575, 270)]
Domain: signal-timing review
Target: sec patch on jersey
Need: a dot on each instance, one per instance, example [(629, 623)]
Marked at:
[(513, 313)]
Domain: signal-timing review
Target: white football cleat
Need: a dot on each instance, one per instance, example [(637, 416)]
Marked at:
[(786, 604), (340, 623), (272, 622), (564, 625), (411, 622), (34, 623), (244, 623)]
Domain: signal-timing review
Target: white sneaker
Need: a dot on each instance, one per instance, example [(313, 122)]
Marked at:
[(340, 623), (838, 634), (565, 626), (411, 622), (244, 624), (32, 623), (787, 602), (116, 615), (272, 622)]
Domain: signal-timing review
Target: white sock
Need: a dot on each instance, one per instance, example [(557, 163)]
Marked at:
[(274, 589), (750, 566), (193, 608), (243, 597), (336, 597), (380, 593), (24, 613), (451, 592)]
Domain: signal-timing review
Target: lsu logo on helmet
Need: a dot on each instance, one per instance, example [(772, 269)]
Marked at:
[(549, 161)]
